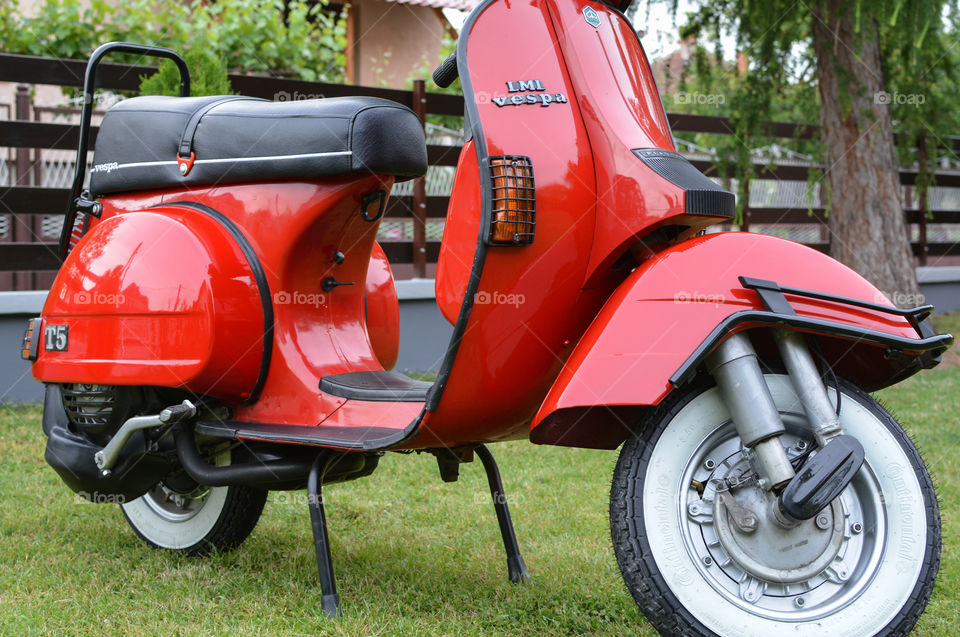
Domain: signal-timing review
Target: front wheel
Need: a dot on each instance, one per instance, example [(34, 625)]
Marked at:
[(865, 565), (181, 515)]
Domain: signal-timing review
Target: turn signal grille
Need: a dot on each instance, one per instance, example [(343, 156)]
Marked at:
[(514, 202)]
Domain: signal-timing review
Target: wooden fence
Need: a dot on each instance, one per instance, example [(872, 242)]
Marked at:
[(33, 260)]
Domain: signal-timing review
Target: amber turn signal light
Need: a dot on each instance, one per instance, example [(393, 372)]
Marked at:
[(513, 204), (31, 340)]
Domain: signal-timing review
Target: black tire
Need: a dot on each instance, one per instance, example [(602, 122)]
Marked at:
[(206, 520), (680, 595)]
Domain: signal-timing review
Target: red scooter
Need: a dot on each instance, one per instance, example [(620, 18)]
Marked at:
[(224, 322)]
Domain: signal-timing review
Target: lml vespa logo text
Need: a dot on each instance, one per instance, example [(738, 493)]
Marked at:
[(534, 93)]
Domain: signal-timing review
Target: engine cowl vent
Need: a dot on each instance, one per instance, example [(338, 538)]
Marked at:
[(91, 408)]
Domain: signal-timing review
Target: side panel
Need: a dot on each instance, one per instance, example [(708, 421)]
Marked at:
[(670, 305), (194, 311), (459, 235), (297, 229), (383, 309), (622, 111), (163, 297)]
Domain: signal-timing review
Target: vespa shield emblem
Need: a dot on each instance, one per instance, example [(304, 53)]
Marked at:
[(591, 16)]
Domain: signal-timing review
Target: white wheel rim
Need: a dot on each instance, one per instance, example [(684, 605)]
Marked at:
[(884, 573), (166, 526)]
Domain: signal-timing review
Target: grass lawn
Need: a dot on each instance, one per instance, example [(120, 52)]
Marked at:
[(413, 556)]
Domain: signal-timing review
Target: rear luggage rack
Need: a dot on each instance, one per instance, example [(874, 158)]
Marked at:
[(79, 201)]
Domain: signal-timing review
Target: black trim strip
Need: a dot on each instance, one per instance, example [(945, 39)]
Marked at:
[(915, 315), (357, 438), (832, 328), (266, 300)]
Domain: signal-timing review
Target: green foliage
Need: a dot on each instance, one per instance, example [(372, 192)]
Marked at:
[(299, 39), (425, 72), (257, 35), (62, 28), (922, 84), (749, 94), (208, 76)]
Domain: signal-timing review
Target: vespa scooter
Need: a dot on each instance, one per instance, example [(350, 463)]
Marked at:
[(224, 322)]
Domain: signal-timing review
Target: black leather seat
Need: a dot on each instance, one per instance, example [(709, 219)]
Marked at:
[(240, 139)]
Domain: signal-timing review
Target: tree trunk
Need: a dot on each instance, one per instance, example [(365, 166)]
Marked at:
[(869, 232)]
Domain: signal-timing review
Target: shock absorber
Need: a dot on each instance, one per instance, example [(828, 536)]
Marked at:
[(821, 413), (735, 367), (823, 477)]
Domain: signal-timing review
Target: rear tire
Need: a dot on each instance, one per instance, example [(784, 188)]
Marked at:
[(193, 519), (689, 582)]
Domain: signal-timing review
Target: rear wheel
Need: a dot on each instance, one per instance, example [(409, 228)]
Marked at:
[(864, 566), (181, 515)]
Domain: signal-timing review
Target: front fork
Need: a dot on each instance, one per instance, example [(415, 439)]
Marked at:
[(736, 369)]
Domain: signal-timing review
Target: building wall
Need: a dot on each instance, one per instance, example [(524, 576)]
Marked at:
[(391, 42)]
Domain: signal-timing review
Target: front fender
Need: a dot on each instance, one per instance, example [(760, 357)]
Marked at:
[(659, 325)]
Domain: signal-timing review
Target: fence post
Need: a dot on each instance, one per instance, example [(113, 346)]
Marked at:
[(21, 230), (745, 224), (419, 206), (37, 159), (922, 205), (23, 108), (41, 280), (825, 226)]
